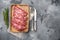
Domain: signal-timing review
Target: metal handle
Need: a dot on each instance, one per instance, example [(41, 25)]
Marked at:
[(35, 25), (32, 25)]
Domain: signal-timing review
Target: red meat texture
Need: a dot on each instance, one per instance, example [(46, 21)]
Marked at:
[(19, 19)]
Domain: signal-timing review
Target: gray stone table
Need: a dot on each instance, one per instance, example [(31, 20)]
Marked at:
[(48, 20)]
